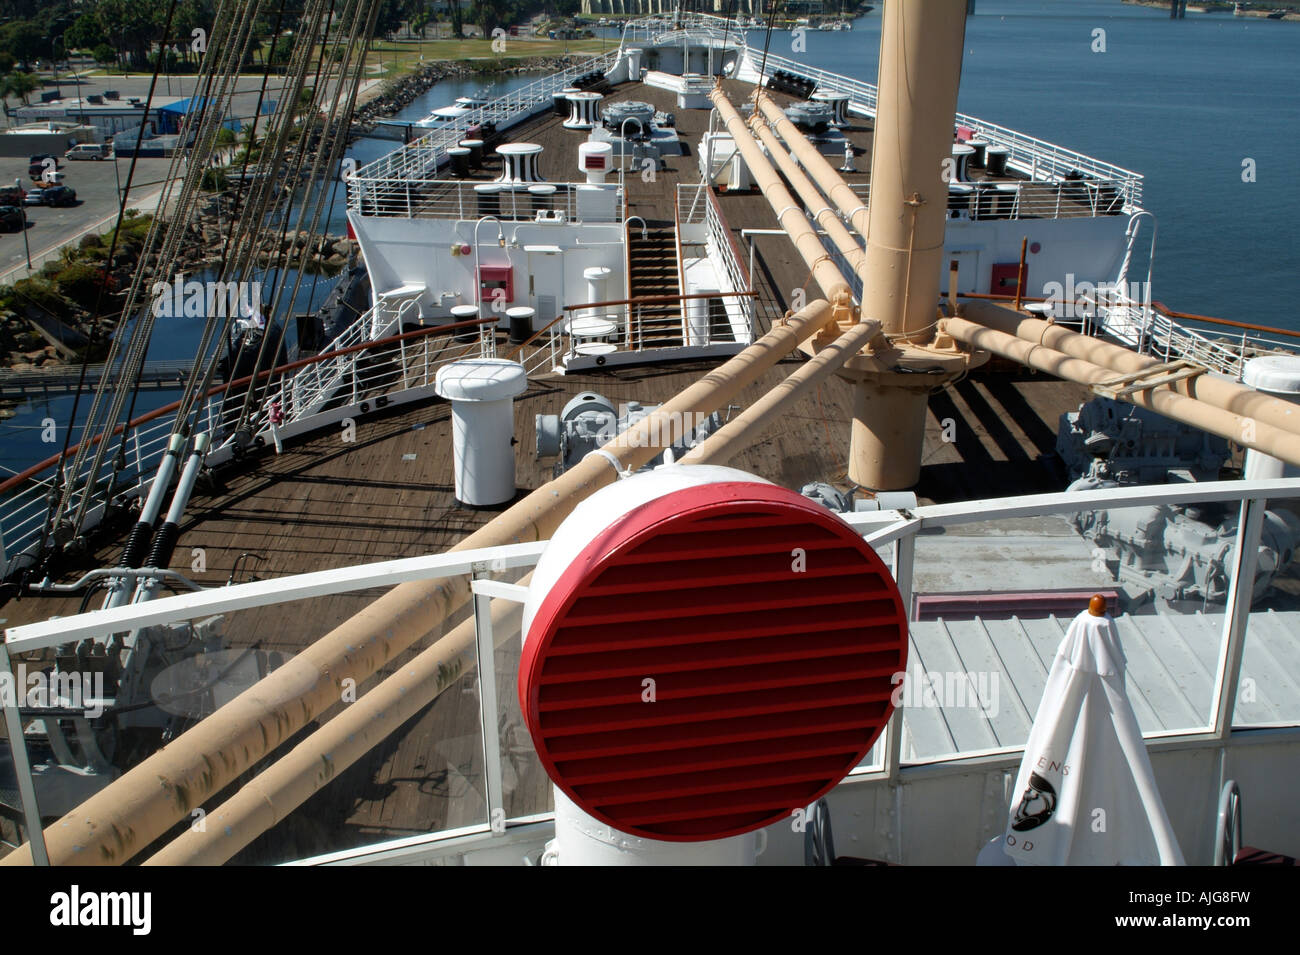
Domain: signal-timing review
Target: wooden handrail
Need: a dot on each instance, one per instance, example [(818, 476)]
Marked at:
[(35, 469), (1189, 316), (1000, 298), (527, 341), (735, 248)]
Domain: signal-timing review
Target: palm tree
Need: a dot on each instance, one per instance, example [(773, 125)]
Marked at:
[(17, 84)]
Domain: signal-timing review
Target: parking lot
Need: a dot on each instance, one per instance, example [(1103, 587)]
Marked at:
[(97, 183), (96, 208)]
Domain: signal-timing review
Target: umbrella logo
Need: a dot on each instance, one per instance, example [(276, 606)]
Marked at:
[(1036, 805)]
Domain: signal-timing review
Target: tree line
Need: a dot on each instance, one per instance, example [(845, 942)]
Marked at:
[(129, 33)]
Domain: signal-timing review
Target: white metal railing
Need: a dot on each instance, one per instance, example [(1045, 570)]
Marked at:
[(697, 205), (298, 401), (1113, 310), (1040, 160), (893, 533), (640, 328), (722, 250), (420, 158), (461, 199)]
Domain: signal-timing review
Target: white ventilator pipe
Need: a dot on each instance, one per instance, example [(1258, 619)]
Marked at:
[(120, 820), (1228, 395), (1248, 432)]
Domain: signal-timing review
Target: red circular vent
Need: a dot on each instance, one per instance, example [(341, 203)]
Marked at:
[(712, 661)]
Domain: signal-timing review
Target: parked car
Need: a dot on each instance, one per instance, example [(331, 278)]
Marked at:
[(12, 195), (59, 196), (12, 219), (87, 151), (38, 164)]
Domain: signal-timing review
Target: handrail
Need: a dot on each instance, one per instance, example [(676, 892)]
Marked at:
[(997, 297), (735, 249), (681, 264), (527, 341), (627, 262), (35, 469), (1191, 317), (644, 300)]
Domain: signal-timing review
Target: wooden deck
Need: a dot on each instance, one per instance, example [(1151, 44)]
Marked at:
[(328, 502)]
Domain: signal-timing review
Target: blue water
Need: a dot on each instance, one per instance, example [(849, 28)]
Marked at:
[(1182, 102)]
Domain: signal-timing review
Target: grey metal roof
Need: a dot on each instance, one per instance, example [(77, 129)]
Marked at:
[(1172, 660)]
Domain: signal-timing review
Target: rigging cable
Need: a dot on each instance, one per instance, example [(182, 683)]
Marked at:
[(163, 232), (340, 116), (60, 493)]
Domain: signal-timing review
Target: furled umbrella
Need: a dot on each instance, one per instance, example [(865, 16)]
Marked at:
[(1085, 793)]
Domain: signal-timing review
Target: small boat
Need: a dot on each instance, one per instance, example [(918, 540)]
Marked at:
[(445, 115)]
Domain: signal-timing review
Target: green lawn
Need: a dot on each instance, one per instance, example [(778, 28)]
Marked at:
[(389, 59), (399, 58)]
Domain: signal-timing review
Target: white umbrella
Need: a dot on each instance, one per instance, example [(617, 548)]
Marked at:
[(1085, 794)]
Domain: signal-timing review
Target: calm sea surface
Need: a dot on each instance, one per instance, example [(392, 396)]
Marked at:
[(1185, 103)]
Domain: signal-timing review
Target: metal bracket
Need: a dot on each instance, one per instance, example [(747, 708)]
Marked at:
[(484, 587)]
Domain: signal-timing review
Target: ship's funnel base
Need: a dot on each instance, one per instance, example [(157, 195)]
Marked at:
[(582, 840), (888, 436)]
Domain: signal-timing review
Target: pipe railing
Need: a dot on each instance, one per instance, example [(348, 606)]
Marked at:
[(1040, 160)]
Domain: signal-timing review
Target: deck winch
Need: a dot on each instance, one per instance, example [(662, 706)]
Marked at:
[(629, 119), (812, 116), (704, 654), (589, 420), (1179, 556)]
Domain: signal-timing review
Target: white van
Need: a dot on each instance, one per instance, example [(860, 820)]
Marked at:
[(87, 151)]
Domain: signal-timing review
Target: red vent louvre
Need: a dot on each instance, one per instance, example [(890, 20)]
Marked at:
[(770, 631)]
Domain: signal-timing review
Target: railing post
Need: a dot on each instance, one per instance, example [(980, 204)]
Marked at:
[(22, 763), (401, 354), (904, 558), (1236, 616), (485, 650)]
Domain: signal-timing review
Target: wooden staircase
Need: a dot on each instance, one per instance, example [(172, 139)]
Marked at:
[(652, 270)]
